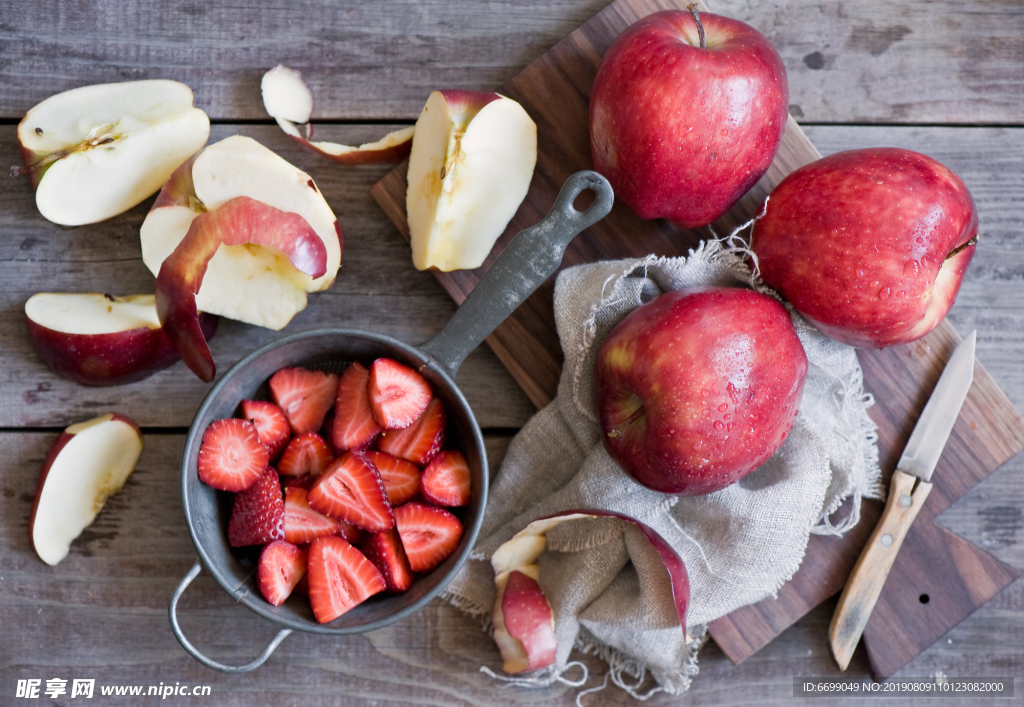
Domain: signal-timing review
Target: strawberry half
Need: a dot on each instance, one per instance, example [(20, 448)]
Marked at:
[(301, 523), (340, 577), (351, 489), (304, 396), (307, 453), (353, 426), (258, 514), (280, 568), (271, 424), (429, 534), (401, 479), (398, 394), (385, 551), (419, 442), (447, 480), (231, 455), (352, 533)]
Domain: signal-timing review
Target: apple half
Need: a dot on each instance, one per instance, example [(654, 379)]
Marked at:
[(288, 100), (96, 151), (473, 156), (90, 462)]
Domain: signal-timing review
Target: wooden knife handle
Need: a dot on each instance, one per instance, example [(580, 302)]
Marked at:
[(869, 574)]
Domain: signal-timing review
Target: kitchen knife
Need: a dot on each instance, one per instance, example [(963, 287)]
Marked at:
[(910, 485)]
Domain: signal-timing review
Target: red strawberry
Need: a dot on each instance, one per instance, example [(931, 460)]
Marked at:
[(271, 424), (304, 482), (429, 534), (258, 514), (398, 394), (353, 425), (401, 478), (280, 568), (340, 577), (301, 523), (350, 532), (307, 453), (304, 396), (385, 551), (421, 441), (446, 480), (231, 456), (351, 489)]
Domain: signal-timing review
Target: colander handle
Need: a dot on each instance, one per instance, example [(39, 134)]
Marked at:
[(195, 653)]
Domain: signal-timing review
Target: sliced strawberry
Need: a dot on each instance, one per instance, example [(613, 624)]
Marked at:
[(398, 394), (352, 533), (447, 481), (304, 396), (429, 534), (301, 523), (419, 442), (271, 424), (280, 568), (353, 426), (385, 551), (304, 482), (307, 453), (351, 489), (401, 478), (340, 577), (258, 514), (231, 456)]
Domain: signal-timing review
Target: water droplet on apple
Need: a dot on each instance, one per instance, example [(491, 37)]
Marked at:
[(727, 416), (719, 425), (884, 293), (723, 407), (729, 427), (705, 393), (724, 132), (911, 268), (919, 239), (785, 434)]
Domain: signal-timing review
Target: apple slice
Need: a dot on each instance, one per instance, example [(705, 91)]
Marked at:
[(89, 463), (99, 339), (288, 100), (471, 164), (97, 151)]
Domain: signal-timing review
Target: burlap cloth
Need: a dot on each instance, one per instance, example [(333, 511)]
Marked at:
[(606, 585)]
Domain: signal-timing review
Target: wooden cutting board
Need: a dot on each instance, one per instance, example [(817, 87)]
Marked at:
[(938, 578)]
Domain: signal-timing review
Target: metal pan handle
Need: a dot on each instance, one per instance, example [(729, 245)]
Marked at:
[(530, 259), (195, 653)]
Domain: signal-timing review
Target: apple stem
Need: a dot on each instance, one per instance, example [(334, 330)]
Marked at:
[(700, 26), (962, 247), (616, 431)]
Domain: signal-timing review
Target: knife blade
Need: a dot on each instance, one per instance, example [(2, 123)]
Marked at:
[(910, 485)]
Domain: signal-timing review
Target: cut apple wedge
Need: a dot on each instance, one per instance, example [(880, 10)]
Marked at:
[(472, 160), (288, 100), (97, 151), (89, 463)]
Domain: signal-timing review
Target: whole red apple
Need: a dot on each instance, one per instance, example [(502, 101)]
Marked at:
[(869, 245), (698, 387), (684, 122)]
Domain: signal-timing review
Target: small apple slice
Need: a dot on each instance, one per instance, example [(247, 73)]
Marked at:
[(99, 339), (96, 151), (89, 463), (472, 160), (288, 100)]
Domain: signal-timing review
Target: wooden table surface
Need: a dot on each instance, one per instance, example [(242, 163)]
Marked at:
[(943, 78)]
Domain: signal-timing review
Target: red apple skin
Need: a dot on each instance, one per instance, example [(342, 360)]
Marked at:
[(858, 241), (529, 620), (683, 132), (698, 387)]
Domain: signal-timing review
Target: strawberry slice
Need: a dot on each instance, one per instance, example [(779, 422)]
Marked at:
[(398, 394), (429, 534), (280, 568), (271, 424), (353, 425), (352, 533), (419, 442), (307, 453), (351, 489), (385, 551), (340, 577), (301, 523), (401, 479), (231, 455), (446, 480), (258, 514), (304, 396)]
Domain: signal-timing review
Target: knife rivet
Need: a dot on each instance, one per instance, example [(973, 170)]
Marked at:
[(886, 540), (905, 500)]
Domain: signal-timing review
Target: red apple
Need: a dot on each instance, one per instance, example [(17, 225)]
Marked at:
[(869, 245), (684, 122), (698, 387)]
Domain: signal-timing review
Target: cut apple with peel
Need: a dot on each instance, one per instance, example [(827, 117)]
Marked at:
[(96, 151), (472, 160), (89, 463), (288, 100)]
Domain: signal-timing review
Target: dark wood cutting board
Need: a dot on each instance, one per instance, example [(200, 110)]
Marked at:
[(938, 578)]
